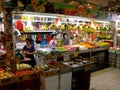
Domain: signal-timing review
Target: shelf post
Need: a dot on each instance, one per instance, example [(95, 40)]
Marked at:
[(8, 30)]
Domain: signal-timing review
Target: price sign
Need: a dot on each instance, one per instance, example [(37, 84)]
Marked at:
[(66, 56), (76, 54)]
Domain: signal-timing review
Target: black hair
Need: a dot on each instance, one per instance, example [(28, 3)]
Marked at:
[(28, 39), (53, 35), (64, 34)]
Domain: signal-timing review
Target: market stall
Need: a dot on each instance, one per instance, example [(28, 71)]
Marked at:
[(62, 61), (69, 66)]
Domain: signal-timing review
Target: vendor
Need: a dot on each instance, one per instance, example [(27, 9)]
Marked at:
[(29, 52), (53, 41), (65, 39)]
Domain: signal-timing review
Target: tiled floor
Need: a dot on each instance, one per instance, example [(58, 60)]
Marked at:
[(106, 79)]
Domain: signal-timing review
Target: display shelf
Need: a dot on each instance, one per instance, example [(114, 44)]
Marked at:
[(38, 31), (36, 21)]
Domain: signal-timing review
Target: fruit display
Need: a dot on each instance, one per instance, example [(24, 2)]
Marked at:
[(108, 37), (1, 70), (106, 28), (52, 62), (102, 44), (44, 67), (115, 48), (23, 66), (4, 75), (86, 44), (87, 28), (59, 66), (52, 26), (60, 49), (70, 48), (44, 50), (23, 72), (44, 27)]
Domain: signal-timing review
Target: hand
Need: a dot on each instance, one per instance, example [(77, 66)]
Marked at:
[(28, 53), (25, 52)]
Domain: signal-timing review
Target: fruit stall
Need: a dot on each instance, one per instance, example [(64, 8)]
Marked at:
[(69, 66), (80, 57)]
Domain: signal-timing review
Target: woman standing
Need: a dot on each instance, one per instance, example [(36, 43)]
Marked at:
[(53, 41), (29, 52), (65, 39)]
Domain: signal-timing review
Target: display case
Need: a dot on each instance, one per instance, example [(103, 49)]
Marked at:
[(117, 35)]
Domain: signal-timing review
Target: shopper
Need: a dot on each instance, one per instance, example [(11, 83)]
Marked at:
[(53, 41), (65, 39), (29, 52)]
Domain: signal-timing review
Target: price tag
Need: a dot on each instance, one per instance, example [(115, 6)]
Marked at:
[(66, 56), (76, 54)]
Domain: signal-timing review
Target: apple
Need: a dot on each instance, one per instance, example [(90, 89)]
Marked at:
[(52, 62)]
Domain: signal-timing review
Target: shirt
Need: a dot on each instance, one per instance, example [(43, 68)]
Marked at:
[(53, 43), (65, 41)]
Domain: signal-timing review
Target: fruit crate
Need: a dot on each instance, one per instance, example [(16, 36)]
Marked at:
[(7, 81), (50, 72), (7, 87), (27, 77), (32, 84)]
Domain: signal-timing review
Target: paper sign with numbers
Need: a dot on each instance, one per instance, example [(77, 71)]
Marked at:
[(76, 54), (66, 56)]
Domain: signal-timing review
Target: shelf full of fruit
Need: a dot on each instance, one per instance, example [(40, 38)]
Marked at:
[(25, 72), (6, 77)]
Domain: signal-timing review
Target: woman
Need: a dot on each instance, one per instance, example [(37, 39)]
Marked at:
[(29, 52), (65, 39), (53, 41)]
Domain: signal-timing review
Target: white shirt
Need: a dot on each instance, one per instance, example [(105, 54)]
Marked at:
[(53, 43)]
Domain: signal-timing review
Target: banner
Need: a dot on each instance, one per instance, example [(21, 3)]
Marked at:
[(61, 8)]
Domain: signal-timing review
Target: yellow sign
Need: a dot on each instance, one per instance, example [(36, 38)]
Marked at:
[(76, 54)]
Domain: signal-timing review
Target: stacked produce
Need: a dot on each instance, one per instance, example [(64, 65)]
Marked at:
[(86, 44), (70, 48), (60, 49), (87, 28), (102, 44), (115, 48), (89, 45), (24, 72), (44, 50), (4, 74), (23, 66)]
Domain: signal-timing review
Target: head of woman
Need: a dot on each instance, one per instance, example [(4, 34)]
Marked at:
[(65, 35), (53, 36), (28, 41)]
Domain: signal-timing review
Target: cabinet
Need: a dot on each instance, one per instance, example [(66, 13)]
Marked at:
[(65, 81), (52, 83), (98, 57), (81, 80)]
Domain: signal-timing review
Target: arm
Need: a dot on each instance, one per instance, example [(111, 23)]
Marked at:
[(30, 53), (33, 51)]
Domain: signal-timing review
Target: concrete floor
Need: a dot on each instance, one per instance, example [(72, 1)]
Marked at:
[(106, 79)]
